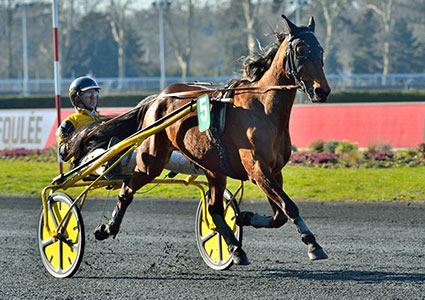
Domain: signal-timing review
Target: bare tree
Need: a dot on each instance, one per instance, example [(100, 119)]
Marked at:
[(276, 4), (117, 20), (9, 14), (66, 27), (331, 11), (385, 10), (182, 45), (250, 11)]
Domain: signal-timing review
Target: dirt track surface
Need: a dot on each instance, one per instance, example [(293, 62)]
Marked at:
[(376, 251)]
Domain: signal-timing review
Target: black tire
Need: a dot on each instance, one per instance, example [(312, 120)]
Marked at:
[(211, 245), (62, 257)]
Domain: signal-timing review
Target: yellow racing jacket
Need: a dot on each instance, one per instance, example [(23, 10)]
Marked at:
[(80, 118)]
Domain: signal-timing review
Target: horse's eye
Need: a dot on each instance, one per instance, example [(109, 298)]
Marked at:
[(301, 50)]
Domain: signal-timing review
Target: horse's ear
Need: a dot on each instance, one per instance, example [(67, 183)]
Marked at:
[(288, 26), (311, 24)]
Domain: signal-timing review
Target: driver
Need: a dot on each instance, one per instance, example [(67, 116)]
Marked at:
[(84, 94)]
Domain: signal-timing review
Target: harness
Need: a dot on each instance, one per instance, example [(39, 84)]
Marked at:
[(215, 132), (293, 65)]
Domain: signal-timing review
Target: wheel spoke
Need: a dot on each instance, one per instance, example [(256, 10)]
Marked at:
[(220, 250), (60, 250), (52, 214), (65, 223), (47, 242), (63, 238), (208, 236), (75, 246)]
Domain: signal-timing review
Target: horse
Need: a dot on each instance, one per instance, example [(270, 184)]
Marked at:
[(255, 143)]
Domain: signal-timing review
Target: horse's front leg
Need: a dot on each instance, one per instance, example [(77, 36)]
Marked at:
[(217, 184), (271, 188)]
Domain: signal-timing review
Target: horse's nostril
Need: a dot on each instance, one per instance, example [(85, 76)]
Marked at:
[(320, 93)]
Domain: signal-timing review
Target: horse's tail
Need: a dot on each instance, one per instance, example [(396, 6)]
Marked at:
[(79, 145)]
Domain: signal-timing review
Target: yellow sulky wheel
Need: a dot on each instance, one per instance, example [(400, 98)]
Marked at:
[(61, 256), (211, 245)]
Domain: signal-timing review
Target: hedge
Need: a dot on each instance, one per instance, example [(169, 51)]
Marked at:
[(13, 102), (376, 96)]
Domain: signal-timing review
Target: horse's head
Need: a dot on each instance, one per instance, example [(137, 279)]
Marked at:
[(304, 60)]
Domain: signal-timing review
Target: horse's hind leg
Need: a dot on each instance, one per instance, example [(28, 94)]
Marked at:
[(125, 197), (217, 184), (150, 162), (246, 218)]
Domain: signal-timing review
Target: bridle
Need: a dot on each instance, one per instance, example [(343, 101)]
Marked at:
[(293, 62)]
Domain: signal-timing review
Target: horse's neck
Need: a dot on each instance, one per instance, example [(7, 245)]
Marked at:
[(281, 101)]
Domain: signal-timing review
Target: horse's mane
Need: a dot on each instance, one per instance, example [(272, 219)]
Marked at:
[(79, 145), (258, 62)]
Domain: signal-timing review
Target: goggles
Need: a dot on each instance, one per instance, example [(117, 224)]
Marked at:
[(89, 94)]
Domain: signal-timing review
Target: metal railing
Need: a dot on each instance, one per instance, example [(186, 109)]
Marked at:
[(406, 81), (129, 85), (134, 85)]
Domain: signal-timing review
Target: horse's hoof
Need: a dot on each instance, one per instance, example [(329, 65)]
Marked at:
[(100, 233), (317, 254), (239, 256), (113, 228)]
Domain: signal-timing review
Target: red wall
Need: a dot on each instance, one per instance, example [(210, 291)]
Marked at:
[(399, 125)]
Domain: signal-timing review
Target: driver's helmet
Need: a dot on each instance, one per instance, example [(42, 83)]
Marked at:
[(81, 84)]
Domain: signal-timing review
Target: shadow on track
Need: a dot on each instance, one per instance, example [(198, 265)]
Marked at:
[(347, 275)]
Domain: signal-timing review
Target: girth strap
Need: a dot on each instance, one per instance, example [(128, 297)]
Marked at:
[(215, 132)]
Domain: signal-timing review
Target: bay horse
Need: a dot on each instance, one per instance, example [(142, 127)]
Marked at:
[(255, 140)]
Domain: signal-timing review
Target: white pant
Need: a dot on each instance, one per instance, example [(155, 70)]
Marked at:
[(177, 163)]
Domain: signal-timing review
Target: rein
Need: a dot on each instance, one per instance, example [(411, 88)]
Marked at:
[(259, 89), (192, 94), (91, 133)]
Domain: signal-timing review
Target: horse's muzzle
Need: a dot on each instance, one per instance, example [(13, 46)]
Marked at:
[(320, 94)]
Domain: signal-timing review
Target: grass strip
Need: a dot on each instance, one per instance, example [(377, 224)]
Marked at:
[(300, 183)]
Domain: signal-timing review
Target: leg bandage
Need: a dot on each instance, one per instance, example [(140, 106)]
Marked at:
[(301, 226), (259, 221)]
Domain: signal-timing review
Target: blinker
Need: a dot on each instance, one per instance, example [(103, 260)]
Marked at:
[(314, 51)]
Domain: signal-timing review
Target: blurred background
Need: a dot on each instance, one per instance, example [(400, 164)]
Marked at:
[(134, 47)]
